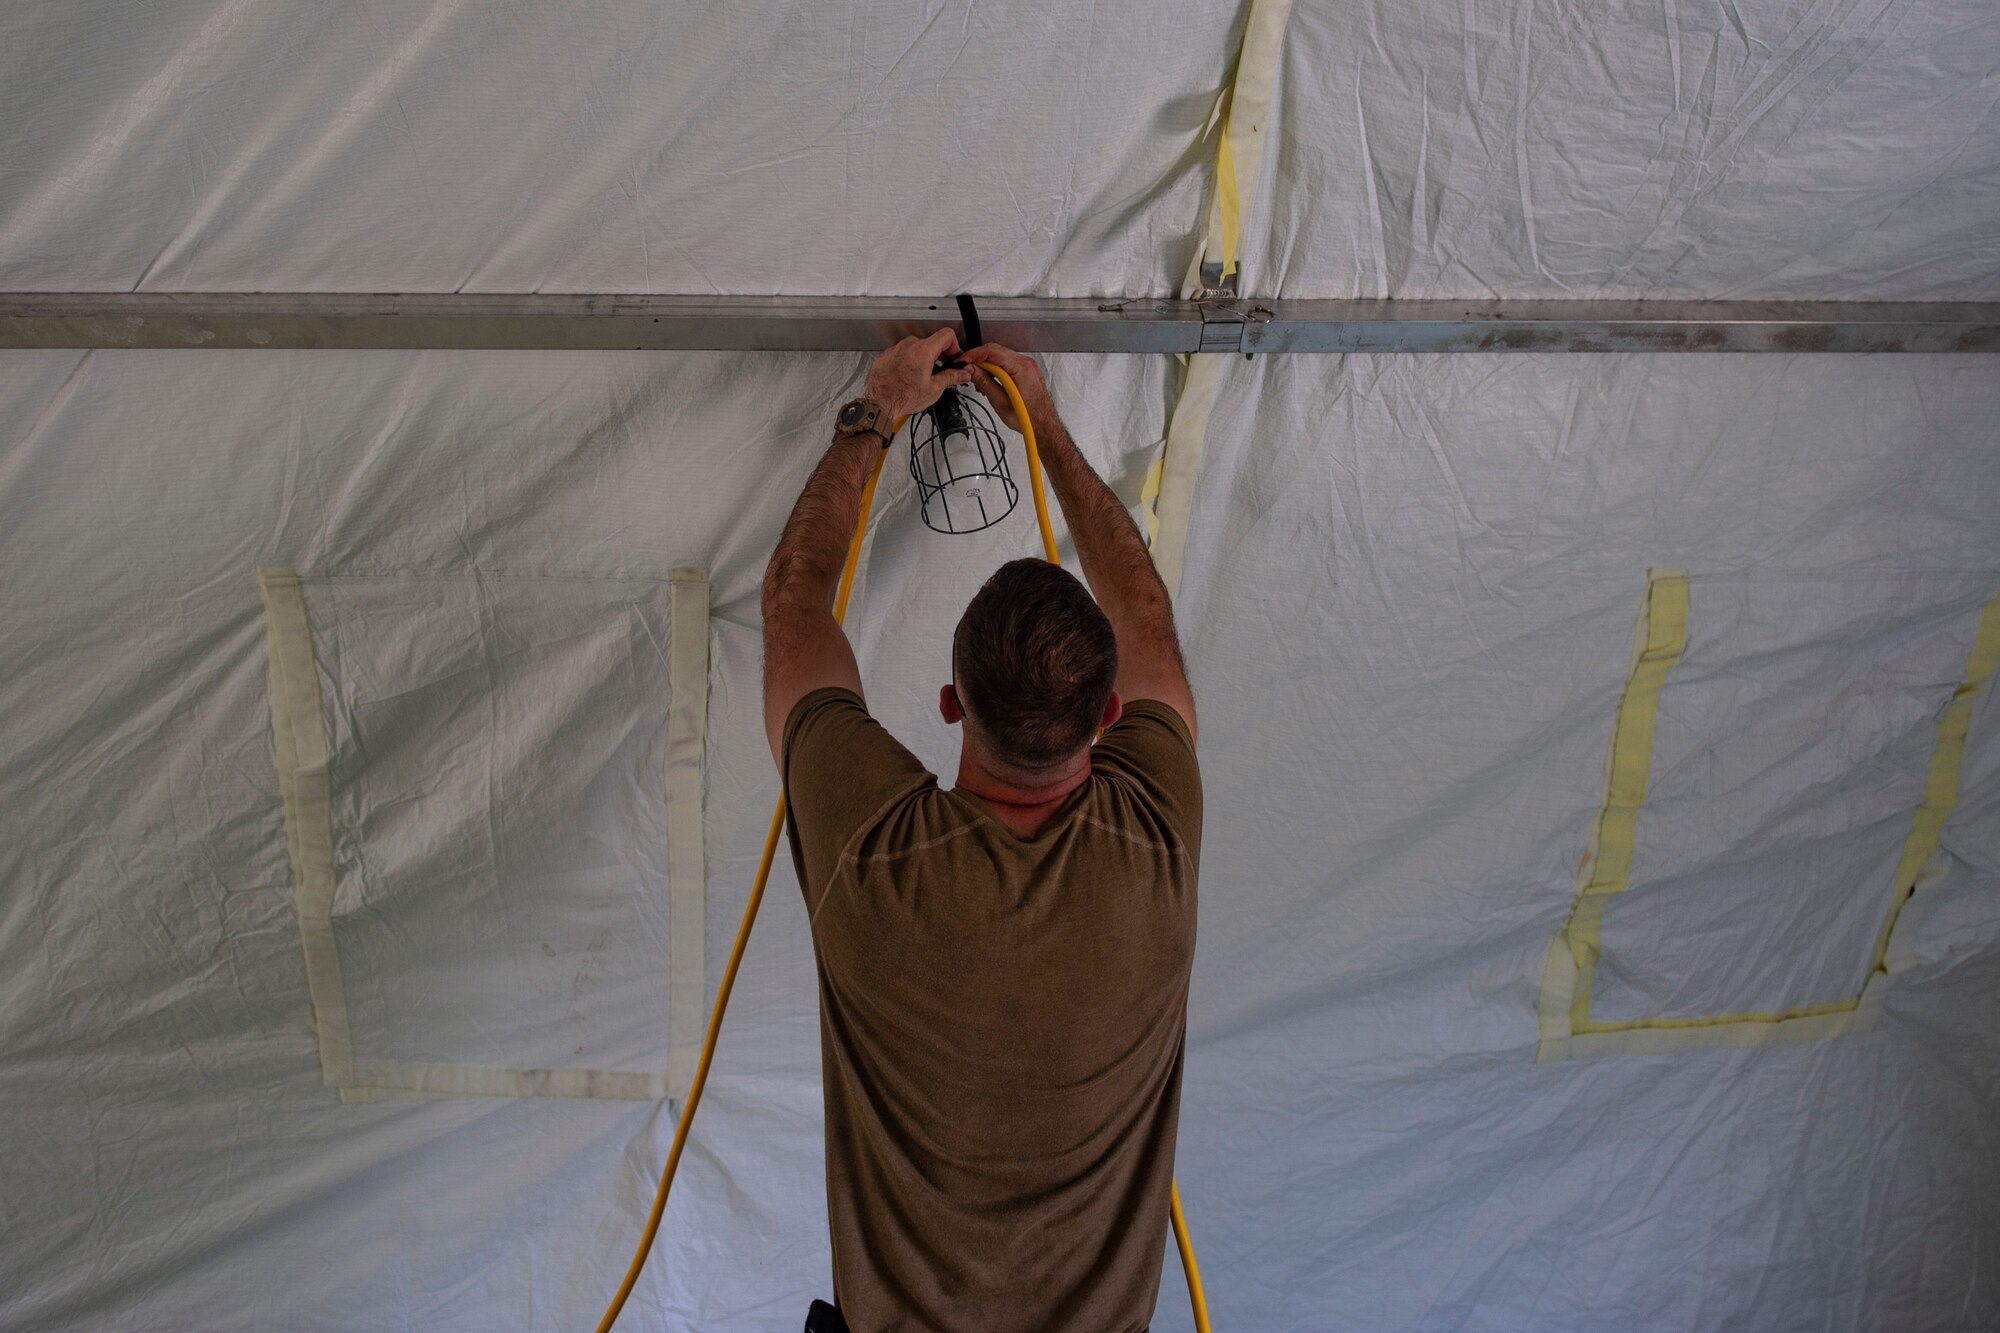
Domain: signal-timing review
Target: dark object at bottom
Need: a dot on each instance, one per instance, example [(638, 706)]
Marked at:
[(824, 1318)]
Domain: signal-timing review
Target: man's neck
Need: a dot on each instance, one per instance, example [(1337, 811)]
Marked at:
[(1022, 804)]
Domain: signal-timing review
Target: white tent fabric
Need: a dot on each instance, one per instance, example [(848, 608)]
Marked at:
[(1408, 594), (746, 148), (1785, 149)]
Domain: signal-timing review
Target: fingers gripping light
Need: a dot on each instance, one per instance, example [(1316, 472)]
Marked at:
[(959, 462)]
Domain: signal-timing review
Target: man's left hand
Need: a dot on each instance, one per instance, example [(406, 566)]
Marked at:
[(903, 379)]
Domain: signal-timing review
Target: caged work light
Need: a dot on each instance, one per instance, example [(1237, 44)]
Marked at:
[(959, 462)]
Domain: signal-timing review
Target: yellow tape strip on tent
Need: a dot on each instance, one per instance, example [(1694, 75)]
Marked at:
[(299, 737), (1657, 644), (1168, 494), (687, 856), (1567, 1029), (1941, 788)]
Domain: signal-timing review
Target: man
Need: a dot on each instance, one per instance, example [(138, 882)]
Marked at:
[(1003, 966)]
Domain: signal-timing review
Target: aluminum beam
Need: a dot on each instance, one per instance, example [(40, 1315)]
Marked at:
[(576, 322), (317, 320), (1620, 326)]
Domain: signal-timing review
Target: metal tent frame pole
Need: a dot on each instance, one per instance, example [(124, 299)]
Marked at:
[(610, 322)]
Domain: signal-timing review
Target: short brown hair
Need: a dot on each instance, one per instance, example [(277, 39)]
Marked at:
[(1034, 659)]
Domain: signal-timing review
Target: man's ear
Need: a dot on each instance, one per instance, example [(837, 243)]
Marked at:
[(948, 705), (1114, 708)]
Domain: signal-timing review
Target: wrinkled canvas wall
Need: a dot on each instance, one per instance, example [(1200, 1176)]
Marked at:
[(1408, 597), (1785, 149), (1433, 686), (744, 148)]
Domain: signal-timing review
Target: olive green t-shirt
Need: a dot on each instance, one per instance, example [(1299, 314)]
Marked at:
[(1001, 1025)]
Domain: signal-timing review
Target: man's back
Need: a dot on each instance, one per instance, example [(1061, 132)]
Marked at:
[(1002, 1022)]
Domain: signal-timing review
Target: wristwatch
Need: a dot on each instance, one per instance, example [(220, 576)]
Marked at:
[(859, 415)]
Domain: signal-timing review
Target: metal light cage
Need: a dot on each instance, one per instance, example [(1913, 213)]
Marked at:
[(959, 461)]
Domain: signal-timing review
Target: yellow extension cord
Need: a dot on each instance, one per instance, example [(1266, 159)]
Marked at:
[(700, 1080)]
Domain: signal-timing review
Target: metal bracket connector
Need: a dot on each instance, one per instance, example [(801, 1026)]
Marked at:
[(1224, 324), (1217, 285), (1221, 327)]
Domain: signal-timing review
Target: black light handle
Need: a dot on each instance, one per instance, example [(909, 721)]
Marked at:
[(946, 411), (970, 336), (968, 314)]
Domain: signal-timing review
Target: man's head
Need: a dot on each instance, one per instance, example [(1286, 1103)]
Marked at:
[(1033, 661)]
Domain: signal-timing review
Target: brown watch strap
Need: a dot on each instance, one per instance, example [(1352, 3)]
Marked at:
[(874, 418)]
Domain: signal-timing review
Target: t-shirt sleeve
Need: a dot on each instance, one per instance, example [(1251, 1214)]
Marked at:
[(1150, 750), (843, 771)]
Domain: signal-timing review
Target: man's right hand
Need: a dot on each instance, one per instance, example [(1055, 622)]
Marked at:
[(1027, 377), (905, 379)]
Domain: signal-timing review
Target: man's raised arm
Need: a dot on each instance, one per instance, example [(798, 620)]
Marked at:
[(1116, 563), (804, 647)]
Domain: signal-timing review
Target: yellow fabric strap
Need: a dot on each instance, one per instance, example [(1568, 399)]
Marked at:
[(1167, 496), (1244, 110), (1170, 484), (1149, 499), (298, 729), (1228, 205)]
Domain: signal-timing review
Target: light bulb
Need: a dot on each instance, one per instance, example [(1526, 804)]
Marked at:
[(964, 464)]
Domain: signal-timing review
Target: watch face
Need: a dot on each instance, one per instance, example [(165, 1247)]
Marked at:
[(850, 415)]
